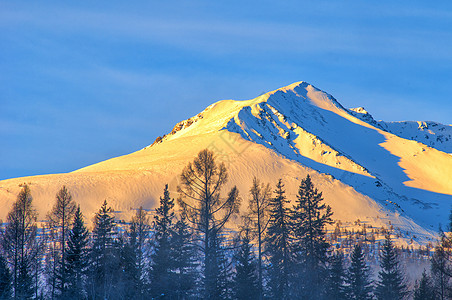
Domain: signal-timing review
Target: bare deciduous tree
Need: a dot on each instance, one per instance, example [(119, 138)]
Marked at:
[(202, 203), (60, 219), (258, 204)]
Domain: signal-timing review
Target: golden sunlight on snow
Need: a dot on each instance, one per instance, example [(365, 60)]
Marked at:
[(279, 146), (428, 168)]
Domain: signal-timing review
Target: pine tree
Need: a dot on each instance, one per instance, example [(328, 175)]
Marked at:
[(441, 263), (104, 255), (60, 222), (76, 258), (441, 269), (258, 204), (24, 280), (308, 223), (336, 278), (183, 259), (19, 243), (278, 244), (246, 280), (204, 207), (359, 286), (5, 280), (161, 264), (37, 263), (129, 276), (140, 226), (51, 260), (424, 289), (217, 270), (131, 280), (390, 283)]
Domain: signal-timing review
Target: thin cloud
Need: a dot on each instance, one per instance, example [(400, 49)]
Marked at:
[(216, 36)]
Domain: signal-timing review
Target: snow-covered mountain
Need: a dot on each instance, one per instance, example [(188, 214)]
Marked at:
[(382, 173), (429, 133)]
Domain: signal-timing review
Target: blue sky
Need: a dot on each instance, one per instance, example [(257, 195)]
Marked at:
[(84, 82)]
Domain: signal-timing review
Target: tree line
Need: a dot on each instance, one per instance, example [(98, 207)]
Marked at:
[(279, 250)]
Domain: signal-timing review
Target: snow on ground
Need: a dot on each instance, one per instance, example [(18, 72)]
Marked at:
[(432, 134), (401, 173), (365, 170)]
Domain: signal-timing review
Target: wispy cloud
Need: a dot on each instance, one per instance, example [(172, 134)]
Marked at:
[(210, 35)]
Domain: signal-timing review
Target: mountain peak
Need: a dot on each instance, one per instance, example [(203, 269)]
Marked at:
[(305, 91), (367, 170), (308, 127)]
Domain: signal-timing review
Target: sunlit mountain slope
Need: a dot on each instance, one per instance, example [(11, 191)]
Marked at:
[(367, 170)]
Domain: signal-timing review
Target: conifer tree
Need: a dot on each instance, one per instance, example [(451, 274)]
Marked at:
[(183, 258), (19, 243), (278, 244), (24, 280), (217, 270), (441, 269), (390, 283), (129, 276), (441, 263), (5, 280), (51, 260), (103, 255), (335, 289), (424, 289), (60, 222), (76, 258), (246, 281), (308, 223), (160, 273), (140, 226), (359, 286), (41, 242), (205, 209), (258, 204)]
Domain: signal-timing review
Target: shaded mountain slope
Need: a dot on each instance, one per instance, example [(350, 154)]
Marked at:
[(367, 170)]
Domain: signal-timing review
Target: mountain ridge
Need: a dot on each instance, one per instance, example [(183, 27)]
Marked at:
[(366, 171)]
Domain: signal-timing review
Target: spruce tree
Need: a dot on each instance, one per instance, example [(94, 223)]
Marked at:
[(129, 275), (335, 289), (41, 242), (141, 227), (183, 258), (424, 289), (51, 261), (390, 283), (278, 244), (19, 243), (359, 286), (217, 270), (441, 263), (441, 269), (258, 204), (76, 259), (24, 280), (309, 219), (205, 208), (161, 263), (246, 281), (5, 280), (103, 255)]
